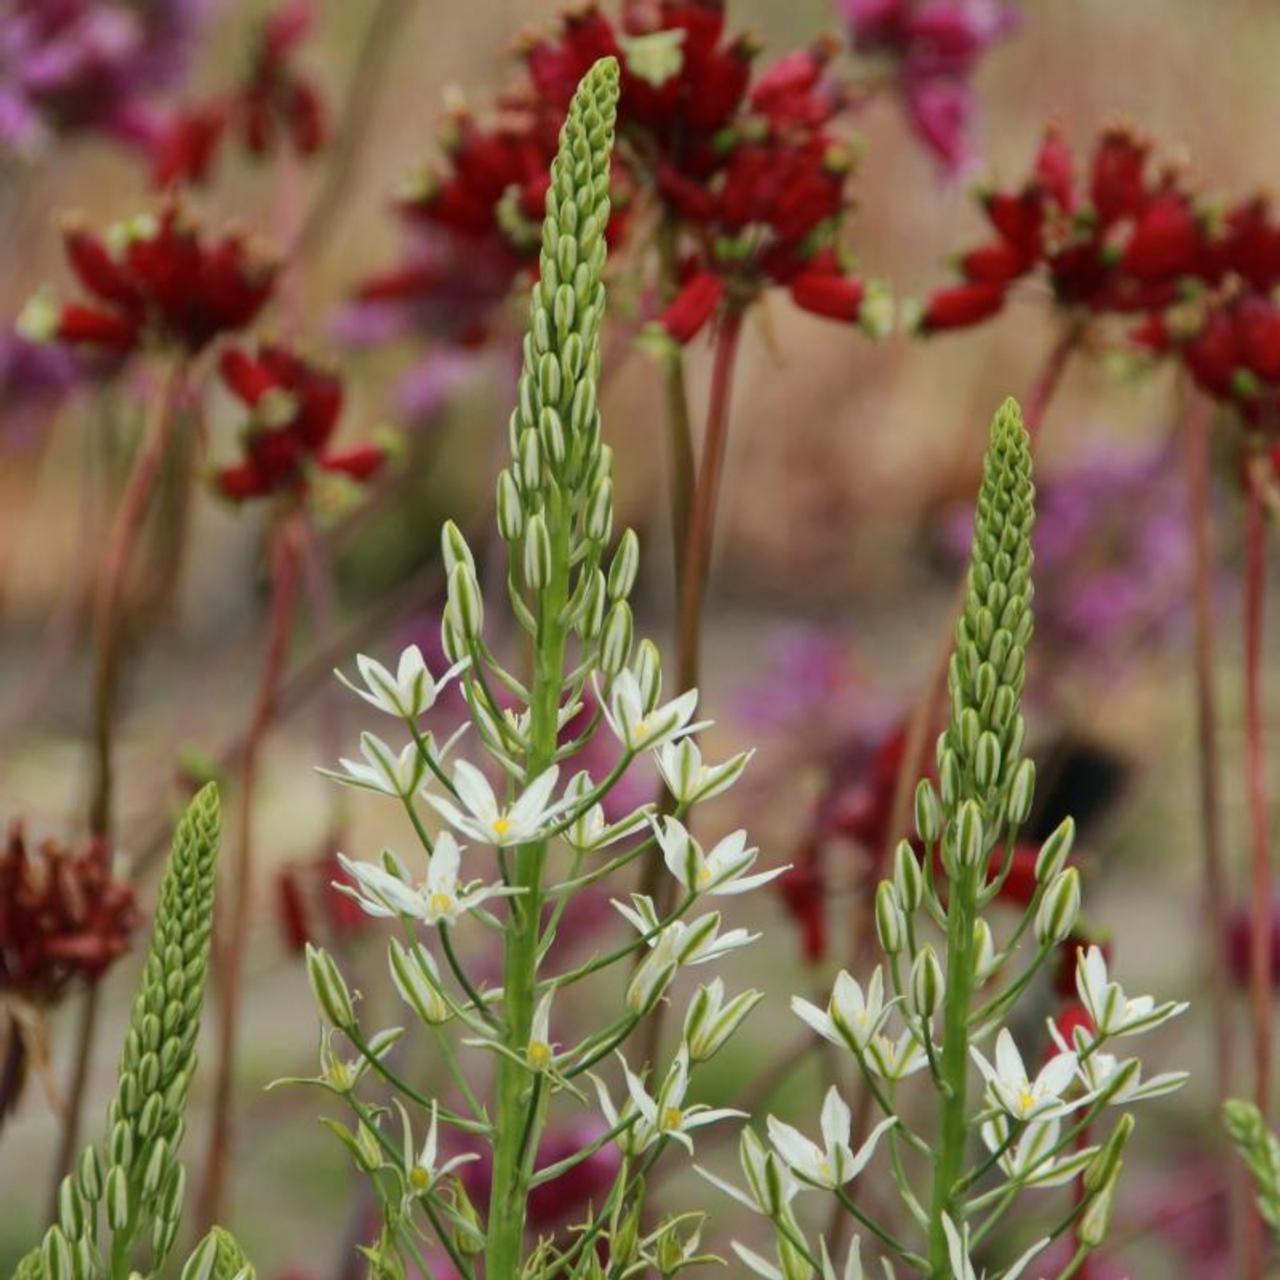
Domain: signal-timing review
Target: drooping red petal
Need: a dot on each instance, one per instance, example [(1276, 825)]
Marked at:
[(693, 306), (961, 306), (829, 294)]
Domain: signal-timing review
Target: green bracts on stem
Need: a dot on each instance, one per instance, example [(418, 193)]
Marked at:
[(981, 748), (134, 1180), (978, 755), (1261, 1152), (560, 473)]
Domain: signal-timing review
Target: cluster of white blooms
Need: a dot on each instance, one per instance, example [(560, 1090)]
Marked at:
[(928, 1012), (511, 828)]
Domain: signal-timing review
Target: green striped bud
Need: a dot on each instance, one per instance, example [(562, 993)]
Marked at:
[(624, 566), (537, 552), (466, 602), (1055, 851), (1022, 792), (890, 925), (908, 878), (1059, 908), (927, 982), (329, 988), (509, 507), (454, 549), (928, 812), (615, 643)]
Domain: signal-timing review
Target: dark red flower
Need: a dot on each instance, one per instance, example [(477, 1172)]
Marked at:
[(184, 146), (294, 407), (276, 102), (1122, 241), (64, 917), (155, 281)]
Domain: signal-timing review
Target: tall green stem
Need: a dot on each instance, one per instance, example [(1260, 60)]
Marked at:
[(961, 913), (516, 1095)]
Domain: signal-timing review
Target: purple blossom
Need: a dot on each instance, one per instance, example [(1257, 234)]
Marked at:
[(934, 47), (35, 377), (72, 65)]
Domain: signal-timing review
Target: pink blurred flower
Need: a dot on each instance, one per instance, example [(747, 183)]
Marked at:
[(934, 47)]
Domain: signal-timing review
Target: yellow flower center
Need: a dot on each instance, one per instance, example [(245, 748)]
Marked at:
[(501, 826), (441, 903), (539, 1053), (672, 1117), (640, 728), (703, 877), (419, 1178), (1026, 1100)]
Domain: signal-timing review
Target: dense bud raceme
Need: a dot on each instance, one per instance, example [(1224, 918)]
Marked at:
[(538, 826), (948, 1002)]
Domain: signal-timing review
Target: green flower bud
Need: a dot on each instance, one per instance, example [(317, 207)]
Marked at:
[(970, 836), (329, 988), (454, 549), (1055, 851), (615, 643), (414, 977), (1022, 792), (1096, 1219), (537, 552), (117, 1198), (89, 1173), (465, 601), (987, 760), (647, 669), (1104, 1166), (599, 517), (529, 462), (890, 926), (1059, 908), (908, 879), (510, 508), (55, 1255), (928, 812), (927, 982), (624, 566)]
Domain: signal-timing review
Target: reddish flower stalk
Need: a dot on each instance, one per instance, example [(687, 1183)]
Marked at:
[(1255, 769), (286, 551), (929, 709), (108, 619), (1245, 1250)]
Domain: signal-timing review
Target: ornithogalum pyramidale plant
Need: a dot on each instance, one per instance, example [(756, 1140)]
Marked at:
[(538, 836), (950, 999), (120, 1208)]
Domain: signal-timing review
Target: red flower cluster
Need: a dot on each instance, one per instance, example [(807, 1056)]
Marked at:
[(1227, 335), (1124, 240), (154, 281), (64, 917), (294, 408), (276, 103), (750, 171)]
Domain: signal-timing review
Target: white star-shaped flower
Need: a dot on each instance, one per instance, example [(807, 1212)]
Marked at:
[(1027, 1161), (895, 1059), (439, 899), (687, 942), (1114, 1013), (718, 873), (407, 694), (663, 1115), (835, 1162), (420, 1171), (640, 730), (689, 779), (1023, 1098), (852, 1018), (488, 822)]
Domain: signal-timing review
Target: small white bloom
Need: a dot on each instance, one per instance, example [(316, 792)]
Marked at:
[(383, 770), (407, 694), (420, 1171), (896, 1059), (440, 899), (770, 1184), (719, 872), (688, 942), (690, 780), (589, 830), (640, 730), (540, 1051), (1027, 1160), (834, 1163), (1113, 1013), (962, 1265), (709, 1022), (852, 1018), (1100, 1072), (663, 1115), (488, 822), (1021, 1097)]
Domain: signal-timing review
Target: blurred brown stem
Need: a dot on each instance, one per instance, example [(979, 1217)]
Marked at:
[(681, 464), (356, 115), (238, 878), (1255, 770), (1245, 1237), (695, 559), (929, 708), (108, 619)]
